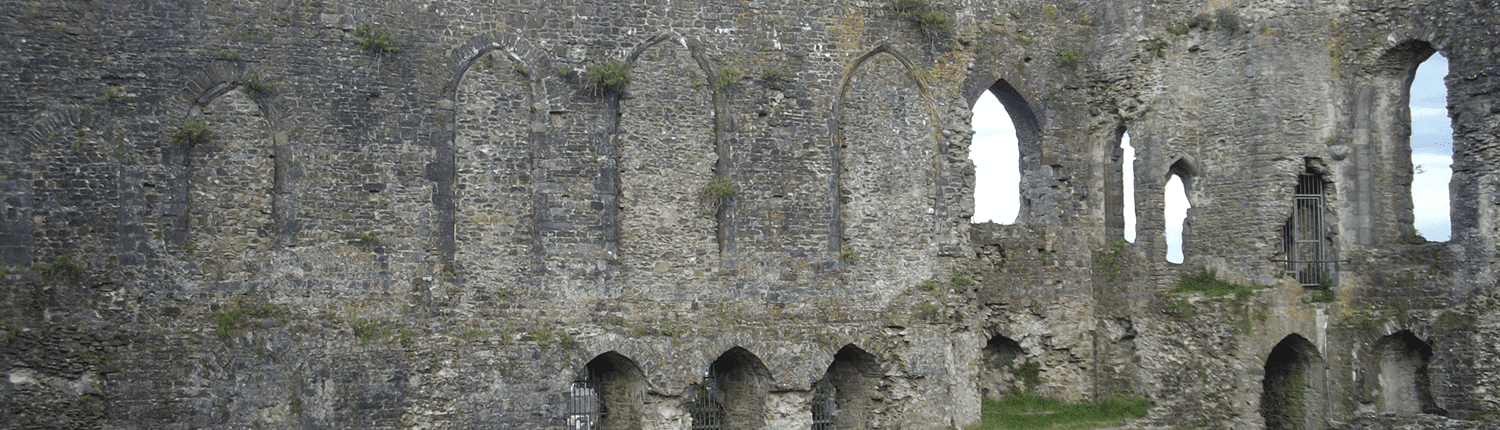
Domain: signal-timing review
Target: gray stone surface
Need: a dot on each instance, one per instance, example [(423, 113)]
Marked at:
[(445, 234)]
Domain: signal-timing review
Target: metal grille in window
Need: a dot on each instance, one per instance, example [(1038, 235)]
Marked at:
[(1302, 237), (705, 409), (823, 404), (584, 409)]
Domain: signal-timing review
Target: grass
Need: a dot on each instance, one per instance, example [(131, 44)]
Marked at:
[(1030, 411), (1208, 283)]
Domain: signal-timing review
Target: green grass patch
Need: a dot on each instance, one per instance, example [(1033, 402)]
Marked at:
[(1208, 283), (1030, 411)]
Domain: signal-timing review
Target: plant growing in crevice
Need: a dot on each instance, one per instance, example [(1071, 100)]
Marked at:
[(63, 267), (1049, 12), (229, 55), (258, 87), (376, 40), (244, 315), (1157, 47), (931, 23), (1324, 295), (1177, 29), (728, 77), (608, 77), (1203, 21), (848, 255), (775, 74), (192, 132), (716, 194), (1227, 19), (1069, 59), (927, 310)]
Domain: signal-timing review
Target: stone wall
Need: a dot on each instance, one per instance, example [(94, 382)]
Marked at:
[(421, 215)]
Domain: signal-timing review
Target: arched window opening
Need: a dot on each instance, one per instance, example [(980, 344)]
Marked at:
[(732, 394), (1431, 150), (1402, 382), (997, 163), (1307, 256), (998, 376), (844, 396), (607, 394), (1006, 137), (1176, 211), (1290, 395)]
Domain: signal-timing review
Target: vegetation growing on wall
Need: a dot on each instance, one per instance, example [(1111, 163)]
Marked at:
[(243, 315), (1031, 411), (931, 23), (192, 132), (63, 267), (258, 87), (376, 40), (607, 77)]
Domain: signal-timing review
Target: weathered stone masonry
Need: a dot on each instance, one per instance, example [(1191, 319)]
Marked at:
[(448, 234)]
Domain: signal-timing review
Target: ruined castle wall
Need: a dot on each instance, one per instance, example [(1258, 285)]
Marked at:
[(443, 234)]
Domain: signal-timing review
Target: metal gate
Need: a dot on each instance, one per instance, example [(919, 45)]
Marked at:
[(1302, 237), (584, 411), (705, 409), (823, 404)]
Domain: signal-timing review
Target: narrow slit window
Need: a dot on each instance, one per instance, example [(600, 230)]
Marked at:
[(1431, 150), (1302, 237), (1176, 208), (1127, 172)]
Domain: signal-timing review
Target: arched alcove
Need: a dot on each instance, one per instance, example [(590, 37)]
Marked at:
[(1291, 394), (845, 396), (1000, 360), (231, 180), (887, 180), (493, 215), (733, 393), (1387, 149), (667, 160), (1401, 374), (608, 394)]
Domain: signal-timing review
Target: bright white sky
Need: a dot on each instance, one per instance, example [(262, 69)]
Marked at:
[(997, 180)]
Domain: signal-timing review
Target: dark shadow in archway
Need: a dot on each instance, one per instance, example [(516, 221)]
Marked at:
[(997, 377), (608, 395), (733, 395), (1291, 395), (846, 394)]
